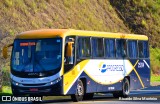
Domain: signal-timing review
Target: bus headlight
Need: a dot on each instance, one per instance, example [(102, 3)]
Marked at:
[(14, 82), (55, 81)]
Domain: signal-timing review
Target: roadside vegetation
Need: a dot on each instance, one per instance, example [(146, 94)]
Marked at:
[(141, 16), (155, 61), (155, 78)]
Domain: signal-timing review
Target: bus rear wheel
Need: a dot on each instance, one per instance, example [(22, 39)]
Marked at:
[(79, 92), (125, 89)]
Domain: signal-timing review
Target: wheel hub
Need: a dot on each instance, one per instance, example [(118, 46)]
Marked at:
[(79, 90)]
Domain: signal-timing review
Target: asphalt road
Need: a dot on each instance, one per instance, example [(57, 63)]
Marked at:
[(149, 95)]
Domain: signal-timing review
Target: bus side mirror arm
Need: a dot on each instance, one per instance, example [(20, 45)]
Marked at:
[(5, 50)]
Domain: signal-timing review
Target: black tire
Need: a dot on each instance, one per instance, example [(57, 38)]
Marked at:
[(125, 89), (79, 92), (88, 96)]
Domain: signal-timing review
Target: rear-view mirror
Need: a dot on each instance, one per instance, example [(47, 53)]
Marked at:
[(5, 51)]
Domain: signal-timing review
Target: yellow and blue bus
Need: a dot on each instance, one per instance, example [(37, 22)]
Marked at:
[(78, 63)]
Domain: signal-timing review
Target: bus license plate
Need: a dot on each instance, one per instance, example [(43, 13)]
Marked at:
[(33, 89)]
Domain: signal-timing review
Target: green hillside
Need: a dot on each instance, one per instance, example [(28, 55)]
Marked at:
[(126, 16), (141, 16)]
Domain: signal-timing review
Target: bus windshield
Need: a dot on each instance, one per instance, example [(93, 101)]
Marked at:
[(36, 55)]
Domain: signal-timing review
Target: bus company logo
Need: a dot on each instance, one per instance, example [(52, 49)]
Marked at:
[(113, 68), (102, 67)]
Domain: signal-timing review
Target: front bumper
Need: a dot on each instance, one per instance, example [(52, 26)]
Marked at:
[(50, 90)]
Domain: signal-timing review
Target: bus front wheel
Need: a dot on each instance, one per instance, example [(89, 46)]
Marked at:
[(79, 92), (125, 89)]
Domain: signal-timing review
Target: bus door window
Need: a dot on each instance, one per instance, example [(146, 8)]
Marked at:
[(69, 51)]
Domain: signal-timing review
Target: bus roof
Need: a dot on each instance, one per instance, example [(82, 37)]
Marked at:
[(50, 33)]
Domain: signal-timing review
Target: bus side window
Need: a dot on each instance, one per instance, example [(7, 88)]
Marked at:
[(121, 48), (146, 49), (84, 47), (110, 48), (124, 52), (140, 49), (143, 49), (132, 48), (97, 47)]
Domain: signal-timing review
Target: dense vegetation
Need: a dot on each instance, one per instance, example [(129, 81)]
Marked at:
[(141, 16), (127, 16)]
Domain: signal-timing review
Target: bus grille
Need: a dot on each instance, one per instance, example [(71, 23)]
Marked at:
[(34, 84)]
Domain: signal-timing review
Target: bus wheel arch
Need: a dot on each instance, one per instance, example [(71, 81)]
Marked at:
[(87, 96), (78, 96)]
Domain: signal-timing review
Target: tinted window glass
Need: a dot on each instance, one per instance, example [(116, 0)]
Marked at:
[(84, 47), (97, 47), (121, 50), (110, 48), (132, 48), (143, 49), (37, 55), (140, 48)]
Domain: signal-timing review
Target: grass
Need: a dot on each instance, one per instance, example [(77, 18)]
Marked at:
[(5, 94), (8, 3), (155, 78), (6, 90), (81, 1), (155, 60), (55, 97)]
